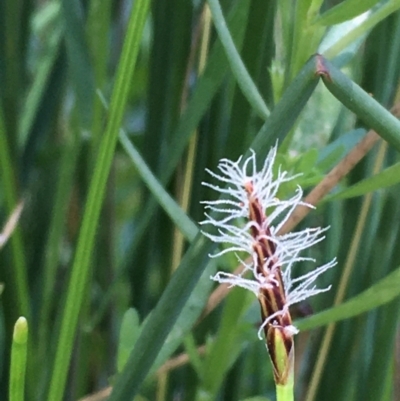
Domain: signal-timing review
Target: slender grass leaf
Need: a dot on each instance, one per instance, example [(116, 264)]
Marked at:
[(238, 68), (189, 315), (341, 32), (129, 332), (19, 351), (206, 88), (59, 214), (361, 103), (383, 336), (344, 11), (378, 294), (227, 345), (288, 109), (162, 319), (304, 40), (18, 280), (384, 179), (257, 53), (199, 295), (78, 57), (38, 88), (98, 28), (339, 148), (81, 266), (382, 12), (193, 354), (182, 221)]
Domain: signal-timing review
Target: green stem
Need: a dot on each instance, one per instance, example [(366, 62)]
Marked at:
[(56, 231), (18, 360), (239, 70), (373, 114), (283, 362), (285, 392), (383, 12), (81, 268), (17, 285)]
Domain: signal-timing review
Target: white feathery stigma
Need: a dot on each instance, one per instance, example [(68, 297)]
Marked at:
[(242, 188)]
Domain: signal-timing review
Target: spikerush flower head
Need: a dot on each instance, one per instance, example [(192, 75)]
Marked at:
[(248, 218)]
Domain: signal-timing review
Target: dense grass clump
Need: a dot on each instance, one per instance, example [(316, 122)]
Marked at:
[(110, 114)]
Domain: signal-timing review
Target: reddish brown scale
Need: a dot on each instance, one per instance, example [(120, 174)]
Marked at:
[(265, 256), (271, 299), (268, 246), (255, 209)]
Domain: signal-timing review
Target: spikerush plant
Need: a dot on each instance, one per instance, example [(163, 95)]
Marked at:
[(247, 219), (54, 61)]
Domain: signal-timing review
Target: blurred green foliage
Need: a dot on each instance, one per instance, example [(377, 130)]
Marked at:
[(110, 111)]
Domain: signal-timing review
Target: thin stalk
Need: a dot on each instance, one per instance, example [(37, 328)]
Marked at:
[(383, 12), (186, 184), (52, 254), (360, 102), (81, 267), (18, 285), (348, 267), (19, 350), (285, 393), (239, 70)]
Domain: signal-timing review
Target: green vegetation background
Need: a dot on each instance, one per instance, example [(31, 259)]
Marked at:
[(110, 111)]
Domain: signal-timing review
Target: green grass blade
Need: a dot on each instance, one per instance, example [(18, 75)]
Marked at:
[(288, 109), (78, 57), (56, 231), (19, 350), (238, 68), (376, 17), (189, 315), (37, 90), (162, 319), (98, 27), (364, 105), (384, 179), (257, 53), (207, 86), (81, 266), (379, 294), (18, 285), (226, 346), (344, 11), (181, 220)]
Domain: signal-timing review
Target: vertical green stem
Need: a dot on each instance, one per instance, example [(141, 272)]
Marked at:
[(283, 363), (360, 102), (284, 393), (81, 267), (18, 360), (18, 286), (244, 79), (57, 227)]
